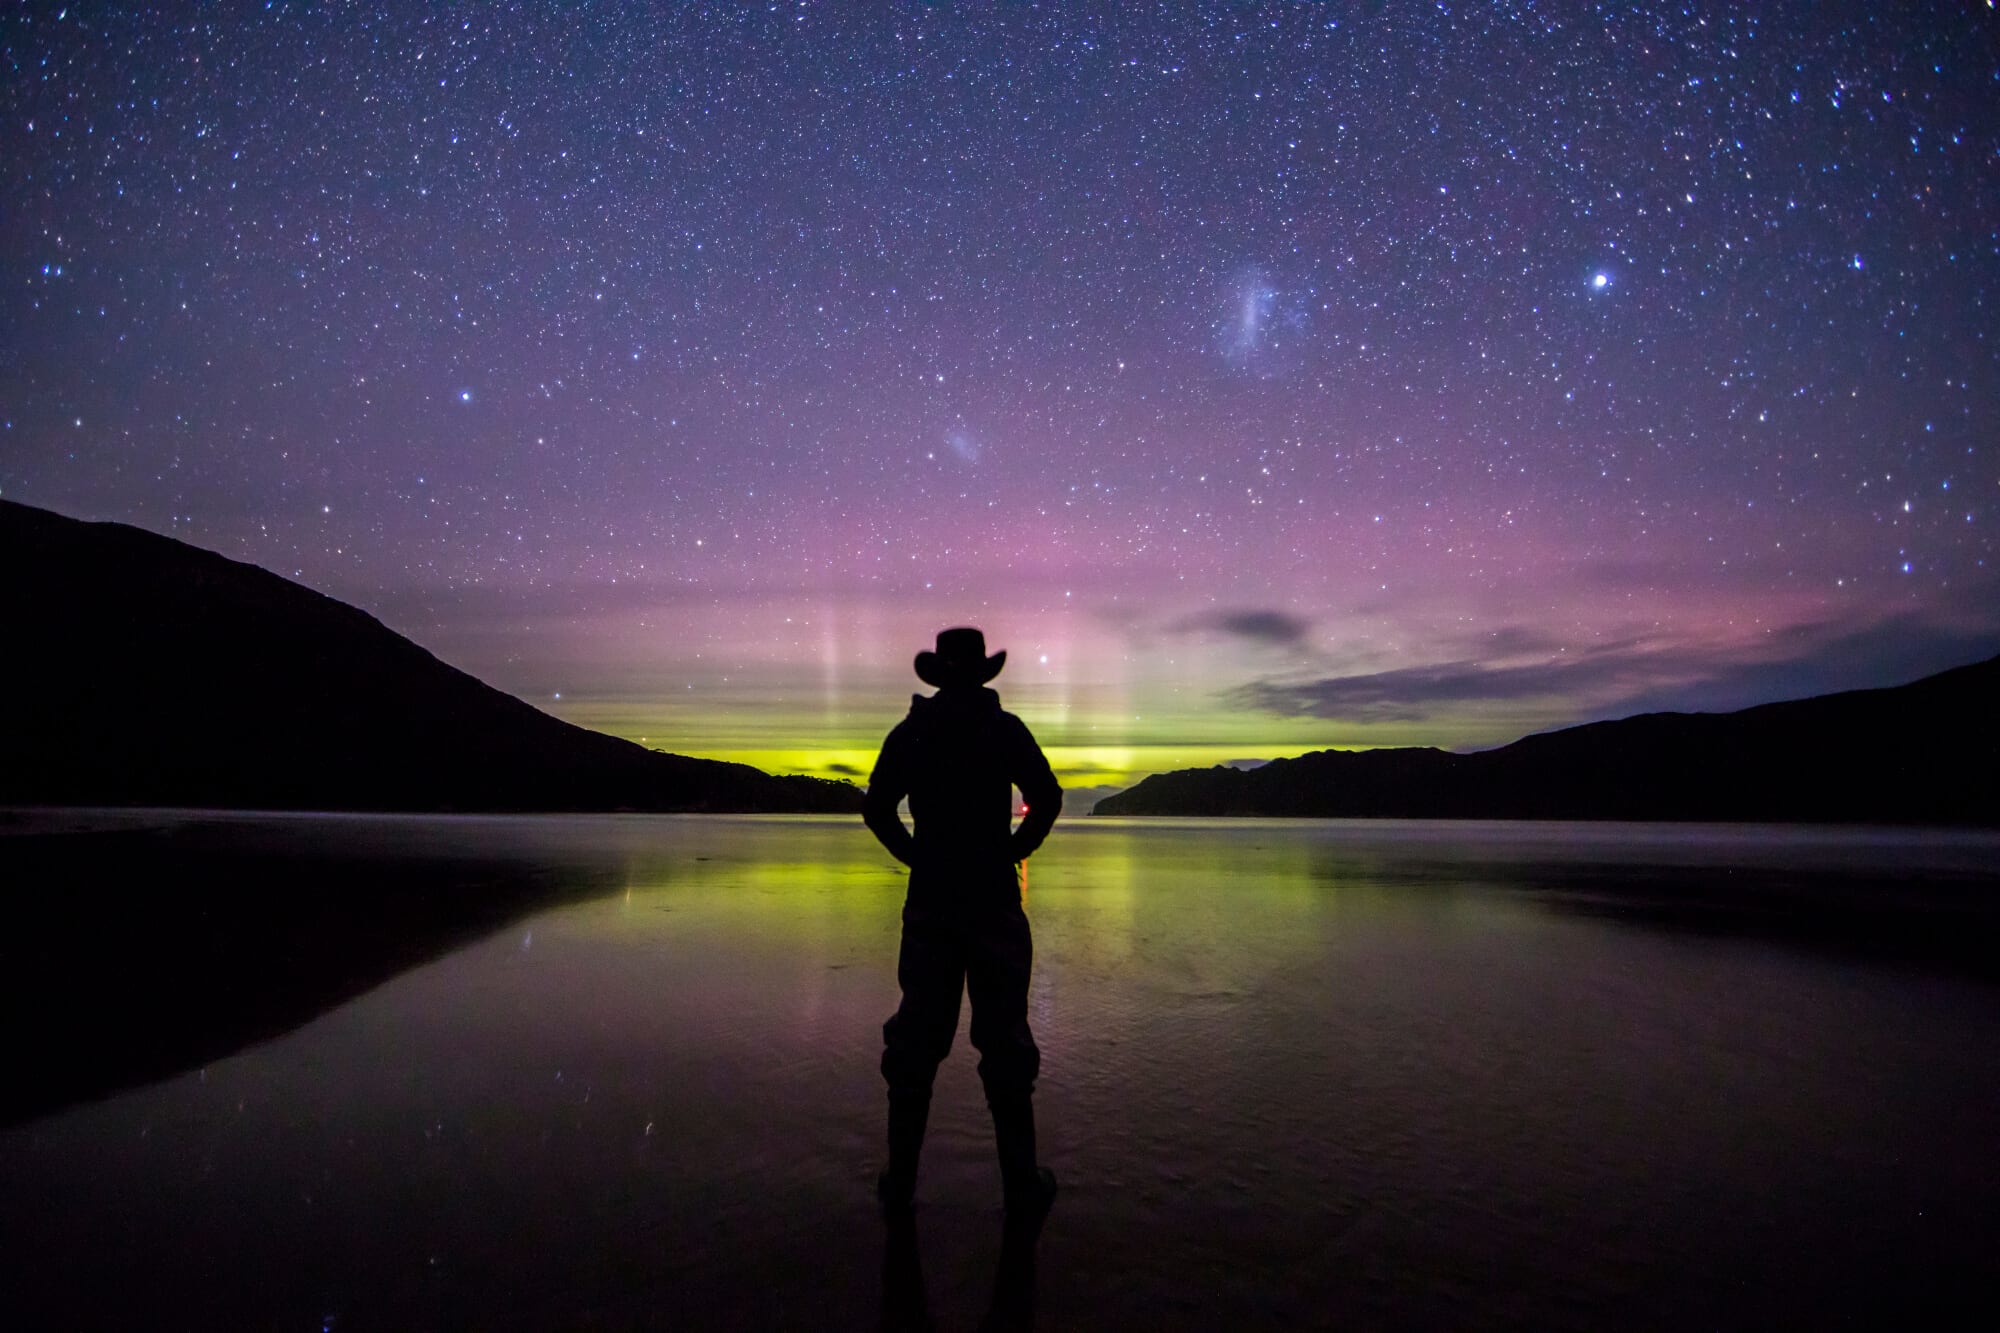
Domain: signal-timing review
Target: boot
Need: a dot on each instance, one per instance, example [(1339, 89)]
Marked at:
[(1029, 1187), (896, 1187)]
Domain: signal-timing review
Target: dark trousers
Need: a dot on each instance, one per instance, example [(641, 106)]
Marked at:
[(985, 950)]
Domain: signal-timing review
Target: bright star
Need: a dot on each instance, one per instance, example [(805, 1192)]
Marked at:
[(1601, 281)]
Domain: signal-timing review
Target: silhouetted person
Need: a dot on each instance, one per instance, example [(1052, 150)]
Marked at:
[(957, 756)]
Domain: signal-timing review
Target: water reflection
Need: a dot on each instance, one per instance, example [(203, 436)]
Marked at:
[(906, 1303), (1387, 1075), (148, 947)]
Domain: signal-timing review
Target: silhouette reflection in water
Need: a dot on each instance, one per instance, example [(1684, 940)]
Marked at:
[(906, 1301), (136, 953), (957, 756)]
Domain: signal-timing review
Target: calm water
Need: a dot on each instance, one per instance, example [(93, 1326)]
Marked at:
[(1295, 1074)]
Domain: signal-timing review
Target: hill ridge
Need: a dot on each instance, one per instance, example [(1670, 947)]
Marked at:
[(1864, 755), (163, 673)]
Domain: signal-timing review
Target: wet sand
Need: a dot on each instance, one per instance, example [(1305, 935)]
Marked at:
[(1317, 1075)]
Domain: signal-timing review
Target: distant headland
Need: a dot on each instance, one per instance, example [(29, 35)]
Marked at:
[(141, 670), (1921, 753)]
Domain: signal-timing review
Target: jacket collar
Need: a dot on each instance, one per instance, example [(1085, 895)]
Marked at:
[(957, 699)]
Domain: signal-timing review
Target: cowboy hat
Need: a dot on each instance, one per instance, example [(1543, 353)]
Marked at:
[(960, 659)]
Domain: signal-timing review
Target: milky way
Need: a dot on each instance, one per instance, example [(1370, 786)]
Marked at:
[(1262, 378)]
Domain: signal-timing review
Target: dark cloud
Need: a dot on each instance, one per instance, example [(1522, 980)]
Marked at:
[(1258, 626), (1409, 694), (1085, 768), (1634, 676), (1079, 800), (845, 770)]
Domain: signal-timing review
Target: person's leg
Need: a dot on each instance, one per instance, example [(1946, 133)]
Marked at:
[(1000, 955), (915, 1040), (999, 960)]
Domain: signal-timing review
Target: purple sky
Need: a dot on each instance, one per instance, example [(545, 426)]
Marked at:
[(1262, 379)]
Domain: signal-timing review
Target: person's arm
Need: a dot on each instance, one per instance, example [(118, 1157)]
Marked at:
[(1039, 788), (887, 786)]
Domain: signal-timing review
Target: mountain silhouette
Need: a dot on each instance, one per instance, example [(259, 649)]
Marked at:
[(143, 671), (1921, 753)]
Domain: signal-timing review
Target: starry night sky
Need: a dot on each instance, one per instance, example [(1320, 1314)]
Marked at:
[(1262, 378)]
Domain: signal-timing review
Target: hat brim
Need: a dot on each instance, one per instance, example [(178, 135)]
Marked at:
[(941, 671)]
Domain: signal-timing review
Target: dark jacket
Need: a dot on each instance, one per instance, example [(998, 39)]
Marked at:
[(957, 756)]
